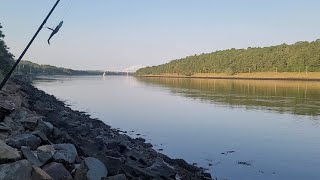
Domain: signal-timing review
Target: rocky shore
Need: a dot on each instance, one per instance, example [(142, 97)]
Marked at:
[(43, 139)]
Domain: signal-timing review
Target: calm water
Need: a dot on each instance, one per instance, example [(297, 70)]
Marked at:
[(272, 125)]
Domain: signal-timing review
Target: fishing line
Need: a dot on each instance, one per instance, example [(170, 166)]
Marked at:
[(64, 9), (67, 10), (6, 78)]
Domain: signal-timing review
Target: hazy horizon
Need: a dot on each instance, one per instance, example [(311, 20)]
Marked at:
[(118, 34)]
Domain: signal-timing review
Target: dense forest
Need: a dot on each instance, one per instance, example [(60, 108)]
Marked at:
[(30, 68), (301, 56), (6, 58)]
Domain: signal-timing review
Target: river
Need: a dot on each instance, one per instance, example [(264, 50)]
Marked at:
[(237, 129)]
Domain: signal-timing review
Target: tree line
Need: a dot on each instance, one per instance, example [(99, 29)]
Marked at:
[(6, 58), (301, 56), (30, 68)]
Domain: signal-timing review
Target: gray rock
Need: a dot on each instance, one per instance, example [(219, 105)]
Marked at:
[(15, 100), (113, 164), (39, 174), (114, 153), (6, 108), (7, 153), (91, 169), (4, 131), (61, 137), (19, 114), (4, 135), (16, 128), (30, 156), (57, 133), (31, 122), (57, 171), (4, 128), (45, 127), (10, 123), (117, 177), (119, 143), (42, 136), (11, 88), (159, 170), (132, 169), (42, 108), (16, 171), (65, 153), (45, 153), (162, 169), (140, 156), (28, 140)]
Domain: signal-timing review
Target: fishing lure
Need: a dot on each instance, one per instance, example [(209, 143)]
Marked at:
[(54, 31)]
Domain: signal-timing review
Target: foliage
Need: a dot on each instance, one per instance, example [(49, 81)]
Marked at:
[(300, 56), (30, 68), (230, 71), (6, 58)]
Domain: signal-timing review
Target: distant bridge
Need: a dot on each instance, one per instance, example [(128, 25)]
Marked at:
[(129, 70)]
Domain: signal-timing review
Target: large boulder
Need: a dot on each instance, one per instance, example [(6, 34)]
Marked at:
[(15, 127), (6, 108), (4, 130), (158, 170), (57, 133), (61, 137), (19, 114), (91, 169), (27, 153), (162, 169), (7, 153), (113, 164), (39, 174), (140, 156), (57, 171), (45, 153), (31, 122), (16, 171), (45, 127), (41, 108), (65, 153), (28, 140), (11, 88), (42, 136), (4, 127), (133, 171)]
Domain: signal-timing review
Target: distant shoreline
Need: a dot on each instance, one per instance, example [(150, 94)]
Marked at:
[(288, 76)]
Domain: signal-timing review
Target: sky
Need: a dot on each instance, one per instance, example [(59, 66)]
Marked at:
[(116, 34)]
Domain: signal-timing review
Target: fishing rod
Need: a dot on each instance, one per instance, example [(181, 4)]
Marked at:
[(3, 83)]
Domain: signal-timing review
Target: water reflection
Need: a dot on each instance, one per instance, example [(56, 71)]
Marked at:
[(169, 114), (296, 97)]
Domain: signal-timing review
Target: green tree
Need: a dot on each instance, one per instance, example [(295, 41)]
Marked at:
[(6, 58), (281, 58)]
